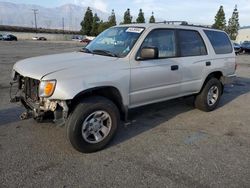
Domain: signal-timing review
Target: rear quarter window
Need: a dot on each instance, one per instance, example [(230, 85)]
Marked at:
[(220, 41)]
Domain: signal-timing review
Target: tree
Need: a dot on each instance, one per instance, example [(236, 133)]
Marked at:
[(103, 26), (127, 19), (95, 25), (152, 18), (220, 20), (233, 24), (140, 18), (87, 22), (112, 19)]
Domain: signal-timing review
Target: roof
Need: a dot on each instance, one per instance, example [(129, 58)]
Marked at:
[(168, 24)]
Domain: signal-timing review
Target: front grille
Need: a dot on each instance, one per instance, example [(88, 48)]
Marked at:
[(30, 88)]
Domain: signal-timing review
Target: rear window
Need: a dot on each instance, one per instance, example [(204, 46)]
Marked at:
[(191, 43), (219, 41)]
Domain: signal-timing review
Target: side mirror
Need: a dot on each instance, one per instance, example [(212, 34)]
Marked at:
[(149, 53)]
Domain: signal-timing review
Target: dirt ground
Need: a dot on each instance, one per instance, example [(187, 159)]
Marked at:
[(169, 144)]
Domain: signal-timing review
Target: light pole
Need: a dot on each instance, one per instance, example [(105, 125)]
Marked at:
[(35, 13)]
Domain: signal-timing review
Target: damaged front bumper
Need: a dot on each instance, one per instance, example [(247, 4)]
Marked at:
[(39, 108)]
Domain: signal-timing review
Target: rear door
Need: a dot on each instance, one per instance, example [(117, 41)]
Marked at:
[(193, 58)]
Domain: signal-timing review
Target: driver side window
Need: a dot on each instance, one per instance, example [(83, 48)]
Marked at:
[(163, 40)]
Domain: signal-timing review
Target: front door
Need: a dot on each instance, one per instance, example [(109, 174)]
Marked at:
[(156, 79)]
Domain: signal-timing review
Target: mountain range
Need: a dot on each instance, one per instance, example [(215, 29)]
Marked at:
[(68, 15)]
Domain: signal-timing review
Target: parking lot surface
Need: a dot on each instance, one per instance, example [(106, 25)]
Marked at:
[(169, 144)]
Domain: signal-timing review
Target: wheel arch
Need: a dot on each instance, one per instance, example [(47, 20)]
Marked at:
[(215, 74), (109, 92)]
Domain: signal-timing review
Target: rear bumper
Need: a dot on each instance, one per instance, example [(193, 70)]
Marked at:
[(228, 79)]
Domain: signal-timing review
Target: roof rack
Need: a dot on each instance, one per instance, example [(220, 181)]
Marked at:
[(174, 22), (204, 26), (183, 23)]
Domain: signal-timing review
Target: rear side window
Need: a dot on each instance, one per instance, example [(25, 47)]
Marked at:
[(219, 41), (191, 43)]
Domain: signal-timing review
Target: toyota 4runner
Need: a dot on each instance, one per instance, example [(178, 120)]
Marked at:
[(123, 68)]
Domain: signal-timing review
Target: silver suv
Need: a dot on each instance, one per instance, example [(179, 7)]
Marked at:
[(123, 68)]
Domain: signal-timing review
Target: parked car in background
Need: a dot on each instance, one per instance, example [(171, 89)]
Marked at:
[(245, 46), (34, 38), (77, 38), (85, 41), (42, 38), (1, 37), (9, 37), (39, 38), (237, 48)]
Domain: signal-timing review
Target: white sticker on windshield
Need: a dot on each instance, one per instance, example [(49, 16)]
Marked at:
[(134, 30)]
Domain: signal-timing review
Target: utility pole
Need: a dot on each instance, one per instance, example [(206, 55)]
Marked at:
[(63, 24), (35, 13), (70, 18)]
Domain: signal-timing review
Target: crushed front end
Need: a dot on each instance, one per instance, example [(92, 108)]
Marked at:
[(26, 90)]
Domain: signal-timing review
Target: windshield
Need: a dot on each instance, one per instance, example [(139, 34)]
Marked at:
[(116, 41)]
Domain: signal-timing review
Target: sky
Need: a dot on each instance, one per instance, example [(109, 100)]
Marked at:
[(193, 11)]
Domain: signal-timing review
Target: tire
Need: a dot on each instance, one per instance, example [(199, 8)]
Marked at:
[(86, 124), (205, 101)]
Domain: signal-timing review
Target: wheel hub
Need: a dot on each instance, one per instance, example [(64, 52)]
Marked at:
[(212, 95), (96, 126)]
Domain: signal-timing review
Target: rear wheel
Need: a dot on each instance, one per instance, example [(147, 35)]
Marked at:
[(92, 124), (209, 97)]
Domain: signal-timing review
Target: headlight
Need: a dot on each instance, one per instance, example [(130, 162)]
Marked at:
[(47, 88)]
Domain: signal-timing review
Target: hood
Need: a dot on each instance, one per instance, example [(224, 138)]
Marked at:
[(38, 67)]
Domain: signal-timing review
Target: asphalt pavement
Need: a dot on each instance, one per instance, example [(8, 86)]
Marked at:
[(169, 144)]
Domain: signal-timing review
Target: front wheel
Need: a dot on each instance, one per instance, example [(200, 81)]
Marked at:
[(209, 97), (92, 124)]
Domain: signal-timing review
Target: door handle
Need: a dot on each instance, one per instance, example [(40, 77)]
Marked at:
[(208, 63), (174, 67)]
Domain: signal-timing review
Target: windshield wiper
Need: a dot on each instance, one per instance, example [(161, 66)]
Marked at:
[(105, 52), (86, 50)]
